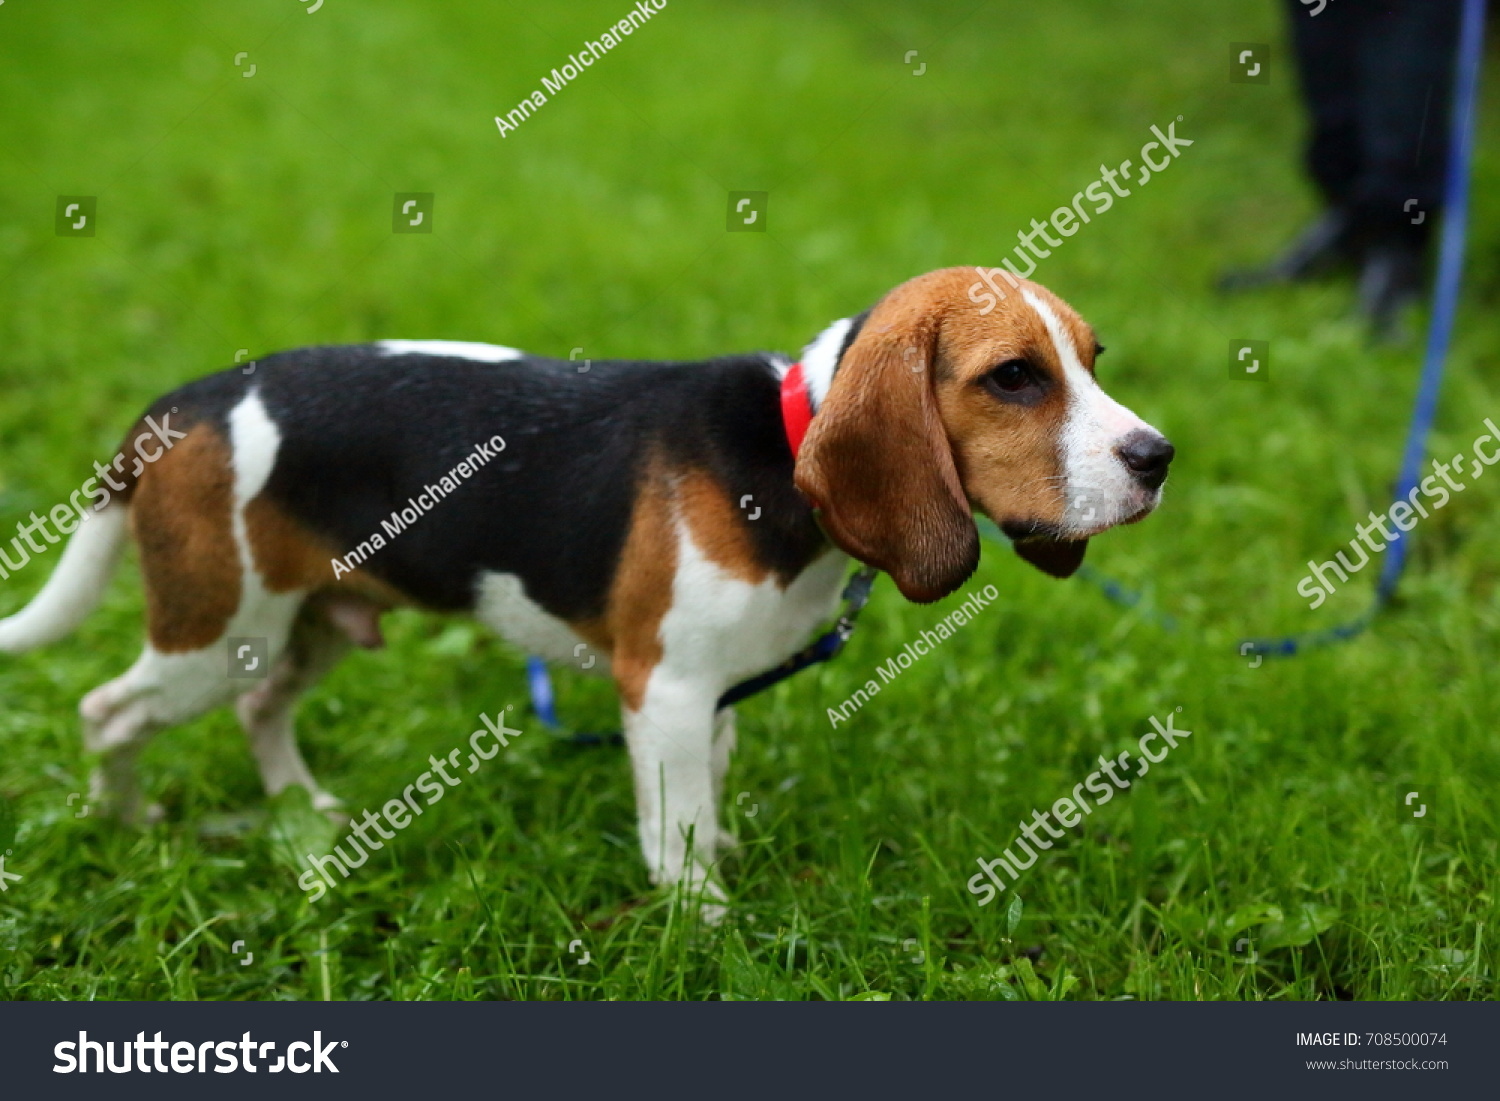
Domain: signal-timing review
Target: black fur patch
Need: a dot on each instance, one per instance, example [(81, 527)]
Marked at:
[(363, 432), (855, 326)]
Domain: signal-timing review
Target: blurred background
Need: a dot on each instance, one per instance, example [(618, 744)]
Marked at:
[(245, 159)]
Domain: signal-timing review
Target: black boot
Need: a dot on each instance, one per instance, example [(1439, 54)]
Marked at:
[(1389, 284), (1327, 243)]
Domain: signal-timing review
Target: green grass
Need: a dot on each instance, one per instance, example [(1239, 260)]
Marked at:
[(254, 213)]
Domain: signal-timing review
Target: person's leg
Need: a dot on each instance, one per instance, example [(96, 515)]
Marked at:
[(1324, 48), (1406, 59)]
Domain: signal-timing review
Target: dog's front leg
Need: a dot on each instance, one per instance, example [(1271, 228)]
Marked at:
[(724, 744), (671, 736)]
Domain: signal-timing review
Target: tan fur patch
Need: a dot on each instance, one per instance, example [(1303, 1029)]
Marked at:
[(288, 557), (717, 526), (595, 631), (641, 594), (180, 513), (1008, 457)]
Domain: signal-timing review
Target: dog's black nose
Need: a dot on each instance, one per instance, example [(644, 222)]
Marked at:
[(1148, 455)]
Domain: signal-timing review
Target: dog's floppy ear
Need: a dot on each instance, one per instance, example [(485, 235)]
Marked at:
[(876, 460), (1059, 557)]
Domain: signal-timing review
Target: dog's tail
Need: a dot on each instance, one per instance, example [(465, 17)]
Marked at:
[(75, 587)]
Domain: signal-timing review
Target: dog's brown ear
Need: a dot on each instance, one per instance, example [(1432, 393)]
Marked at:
[(1059, 557), (876, 460)]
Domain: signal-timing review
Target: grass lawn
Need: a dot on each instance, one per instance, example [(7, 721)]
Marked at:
[(1271, 855)]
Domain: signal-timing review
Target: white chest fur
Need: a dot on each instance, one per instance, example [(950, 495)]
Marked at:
[(725, 628)]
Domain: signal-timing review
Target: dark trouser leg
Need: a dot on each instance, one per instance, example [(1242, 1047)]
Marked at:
[(1407, 52), (1326, 51), (1375, 78), (1326, 48)]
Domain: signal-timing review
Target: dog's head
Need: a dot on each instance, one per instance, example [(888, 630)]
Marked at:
[(936, 409)]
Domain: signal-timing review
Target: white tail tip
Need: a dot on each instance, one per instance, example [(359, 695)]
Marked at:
[(75, 587)]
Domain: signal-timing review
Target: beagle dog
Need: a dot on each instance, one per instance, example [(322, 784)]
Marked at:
[(677, 526)]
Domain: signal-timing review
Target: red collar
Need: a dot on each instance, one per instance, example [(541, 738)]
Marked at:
[(796, 407)]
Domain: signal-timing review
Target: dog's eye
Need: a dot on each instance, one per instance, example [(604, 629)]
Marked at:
[(1011, 377)]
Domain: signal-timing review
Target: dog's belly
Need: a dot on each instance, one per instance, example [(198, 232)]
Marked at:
[(504, 608)]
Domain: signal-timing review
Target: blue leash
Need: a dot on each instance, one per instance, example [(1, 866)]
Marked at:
[(1439, 332), (1450, 271), (824, 648)]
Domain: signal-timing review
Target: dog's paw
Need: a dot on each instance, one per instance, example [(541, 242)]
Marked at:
[(139, 816), (712, 914), (713, 903), (333, 807), (698, 887), (709, 893), (122, 802)]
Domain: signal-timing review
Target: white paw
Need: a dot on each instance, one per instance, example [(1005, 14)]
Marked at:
[(699, 886), (330, 805), (712, 913)]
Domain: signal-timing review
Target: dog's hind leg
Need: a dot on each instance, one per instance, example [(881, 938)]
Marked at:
[(319, 639), (201, 592), (117, 726), (165, 689), (158, 691)]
